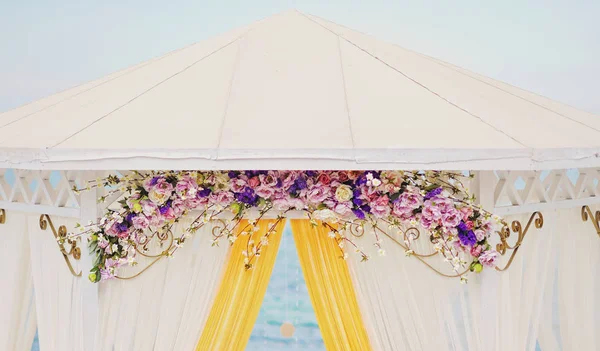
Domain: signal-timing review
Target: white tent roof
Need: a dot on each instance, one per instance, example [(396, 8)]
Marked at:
[(295, 91)]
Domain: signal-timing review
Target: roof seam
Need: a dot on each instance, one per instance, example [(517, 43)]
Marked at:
[(226, 109), (141, 65), (452, 66), (419, 84), (147, 90), (449, 65), (346, 96)]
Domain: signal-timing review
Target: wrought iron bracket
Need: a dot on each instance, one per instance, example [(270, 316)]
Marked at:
[(61, 239), (2, 216), (518, 229), (586, 213)]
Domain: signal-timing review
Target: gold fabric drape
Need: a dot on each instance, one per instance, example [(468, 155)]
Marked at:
[(330, 288), (241, 293)]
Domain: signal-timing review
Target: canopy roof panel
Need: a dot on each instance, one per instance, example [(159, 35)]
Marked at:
[(295, 91)]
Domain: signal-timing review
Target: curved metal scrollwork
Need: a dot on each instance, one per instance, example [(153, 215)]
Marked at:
[(61, 239), (537, 218), (2, 216), (586, 213)]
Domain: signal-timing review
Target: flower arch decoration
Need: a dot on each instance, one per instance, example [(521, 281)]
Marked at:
[(344, 201)]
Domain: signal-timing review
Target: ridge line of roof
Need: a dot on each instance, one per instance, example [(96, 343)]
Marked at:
[(454, 66), (419, 83)]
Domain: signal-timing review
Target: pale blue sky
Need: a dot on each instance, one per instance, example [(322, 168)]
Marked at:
[(549, 47)]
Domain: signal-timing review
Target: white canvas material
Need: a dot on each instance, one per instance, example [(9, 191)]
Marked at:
[(298, 92)]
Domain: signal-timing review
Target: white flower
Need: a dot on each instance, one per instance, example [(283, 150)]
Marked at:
[(381, 252), (345, 255), (264, 241), (115, 247), (343, 193), (331, 234), (372, 181), (325, 215)]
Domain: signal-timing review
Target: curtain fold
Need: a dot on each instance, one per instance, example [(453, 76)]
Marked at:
[(241, 292), (330, 288), (17, 304), (407, 306), (573, 311), (57, 292), (164, 308)]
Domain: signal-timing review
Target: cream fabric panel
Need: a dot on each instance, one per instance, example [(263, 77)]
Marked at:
[(57, 292), (17, 305), (406, 306), (164, 308), (573, 309)]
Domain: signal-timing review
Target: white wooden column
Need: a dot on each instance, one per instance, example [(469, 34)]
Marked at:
[(484, 185)]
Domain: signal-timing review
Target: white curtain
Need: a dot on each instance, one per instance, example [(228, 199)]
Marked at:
[(57, 292), (406, 306), (573, 311), (17, 305), (164, 308)]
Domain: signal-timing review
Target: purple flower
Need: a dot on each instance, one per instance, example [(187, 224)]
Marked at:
[(232, 174), (359, 214), (467, 238), (130, 217), (153, 181), (123, 227), (433, 193), (204, 193), (300, 183), (247, 196), (310, 173)]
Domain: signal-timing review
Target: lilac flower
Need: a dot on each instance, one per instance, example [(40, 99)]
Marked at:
[(204, 193), (489, 258)]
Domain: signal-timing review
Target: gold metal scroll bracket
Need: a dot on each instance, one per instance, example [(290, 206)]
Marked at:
[(586, 214), (61, 239), (518, 229), (2, 216)]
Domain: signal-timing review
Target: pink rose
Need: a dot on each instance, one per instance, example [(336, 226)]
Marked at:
[(451, 219), (223, 198), (186, 186), (343, 209), (238, 185), (148, 207), (265, 191), (269, 179), (466, 213), (480, 234), (253, 182), (318, 193), (380, 206), (140, 222), (489, 258), (469, 225), (476, 250), (324, 178)]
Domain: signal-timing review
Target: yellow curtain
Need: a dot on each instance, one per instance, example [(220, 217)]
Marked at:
[(330, 288), (241, 293)]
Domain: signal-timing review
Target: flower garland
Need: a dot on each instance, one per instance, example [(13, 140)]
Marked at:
[(342, 200)]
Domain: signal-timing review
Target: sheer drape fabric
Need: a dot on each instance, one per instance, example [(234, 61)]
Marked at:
[(17, 304), (572, 312), (407, 306), (330, 288), (241, 292), (166, 307), (57, 292)]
